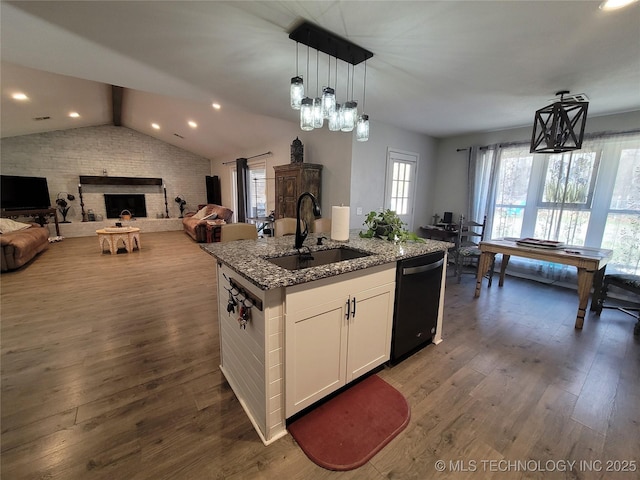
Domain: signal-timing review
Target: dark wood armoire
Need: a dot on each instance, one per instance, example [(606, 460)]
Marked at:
[(291, 181)]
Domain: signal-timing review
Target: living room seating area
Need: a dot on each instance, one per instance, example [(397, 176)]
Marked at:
[(21, 242), (204, 225)]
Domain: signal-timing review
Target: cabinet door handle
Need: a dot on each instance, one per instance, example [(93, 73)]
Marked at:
[(348, 314), (353, 314)]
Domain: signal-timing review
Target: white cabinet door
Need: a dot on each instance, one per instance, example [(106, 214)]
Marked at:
[(325, 350), (369, 343), (315, 353)]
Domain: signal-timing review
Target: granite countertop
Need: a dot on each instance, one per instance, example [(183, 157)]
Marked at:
[(248, 257)]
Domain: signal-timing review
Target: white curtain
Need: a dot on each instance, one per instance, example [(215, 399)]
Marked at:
[(482, 168)]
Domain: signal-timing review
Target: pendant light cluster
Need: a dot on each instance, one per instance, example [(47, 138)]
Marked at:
[(314, 111)]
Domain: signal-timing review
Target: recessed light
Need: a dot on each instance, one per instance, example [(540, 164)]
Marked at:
[(19, 96), (156, 126), (74, 114), (192, 124), (216, 106), (608, 5)]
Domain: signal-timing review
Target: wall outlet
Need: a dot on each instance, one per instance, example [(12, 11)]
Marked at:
[(359, 211)]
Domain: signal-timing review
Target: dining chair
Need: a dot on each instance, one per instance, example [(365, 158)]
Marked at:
[(322, 225), (238, 231), (631, 285), (467, 250), (284, 226)]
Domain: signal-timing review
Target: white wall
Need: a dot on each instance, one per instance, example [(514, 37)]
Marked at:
[(354, 172), (368, 171), (332, 150), (63, 155), (450, 192)]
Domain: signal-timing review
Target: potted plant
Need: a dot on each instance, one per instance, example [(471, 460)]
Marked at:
[(387, 225)]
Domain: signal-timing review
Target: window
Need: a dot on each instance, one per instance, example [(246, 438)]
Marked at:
[(566, 197), (622, 228), (400, 184), (257, 189), (511, 194), (257, 204), (588, 197)]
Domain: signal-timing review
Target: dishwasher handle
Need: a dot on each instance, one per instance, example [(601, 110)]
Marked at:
[(422, 268)]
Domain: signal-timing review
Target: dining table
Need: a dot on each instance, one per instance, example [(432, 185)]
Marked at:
[(590, 263)]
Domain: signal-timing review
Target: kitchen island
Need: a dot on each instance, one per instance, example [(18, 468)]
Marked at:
[(308, 332)]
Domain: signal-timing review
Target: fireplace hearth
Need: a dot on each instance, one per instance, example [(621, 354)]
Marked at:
[(116, 203)]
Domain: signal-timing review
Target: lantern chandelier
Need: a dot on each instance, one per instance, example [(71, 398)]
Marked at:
[(559, 127), (314, 111)]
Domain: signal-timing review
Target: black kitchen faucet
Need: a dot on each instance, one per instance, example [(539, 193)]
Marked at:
[(301, 235)]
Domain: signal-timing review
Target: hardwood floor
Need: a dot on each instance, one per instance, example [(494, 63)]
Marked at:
[(109, 369)]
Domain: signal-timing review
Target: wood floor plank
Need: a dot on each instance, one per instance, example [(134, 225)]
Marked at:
[(109, 370), (596, 400)]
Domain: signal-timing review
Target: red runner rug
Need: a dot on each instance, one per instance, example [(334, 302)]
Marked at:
[(345, 432)]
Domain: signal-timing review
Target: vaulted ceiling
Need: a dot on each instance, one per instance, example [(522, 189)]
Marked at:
[(440, 68)]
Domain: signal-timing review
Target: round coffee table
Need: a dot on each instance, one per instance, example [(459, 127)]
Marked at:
[(111, 235)]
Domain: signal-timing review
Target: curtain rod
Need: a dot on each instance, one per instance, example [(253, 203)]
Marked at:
[(485, 147), (249, 158), (586, 136)]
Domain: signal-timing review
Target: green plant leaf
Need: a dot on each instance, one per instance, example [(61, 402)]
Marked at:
[(387, 225)]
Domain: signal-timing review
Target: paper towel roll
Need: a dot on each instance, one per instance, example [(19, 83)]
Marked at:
[(340, 223)]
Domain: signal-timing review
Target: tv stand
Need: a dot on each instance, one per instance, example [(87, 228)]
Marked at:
[(39, 215)]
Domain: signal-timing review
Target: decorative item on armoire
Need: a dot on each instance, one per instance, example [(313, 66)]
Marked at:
[(297, 151)]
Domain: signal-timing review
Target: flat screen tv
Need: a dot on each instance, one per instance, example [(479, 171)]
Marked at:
[(23, 193)]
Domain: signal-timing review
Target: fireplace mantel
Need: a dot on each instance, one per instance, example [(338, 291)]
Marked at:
[(106, 180)]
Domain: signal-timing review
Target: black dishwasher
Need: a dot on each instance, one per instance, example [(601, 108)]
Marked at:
[(418, 284)]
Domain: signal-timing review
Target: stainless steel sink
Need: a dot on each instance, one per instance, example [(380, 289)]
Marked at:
[(316, 259)]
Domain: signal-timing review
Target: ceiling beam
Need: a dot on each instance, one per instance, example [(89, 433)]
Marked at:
[(116, 102)]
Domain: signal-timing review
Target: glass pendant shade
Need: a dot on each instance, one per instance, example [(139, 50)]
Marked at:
[(297, 92), (318, 118), (306, 114), (334, 119), (362, 128), (328, 101), (341, 116), (350, 113)]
